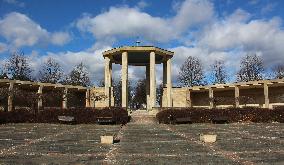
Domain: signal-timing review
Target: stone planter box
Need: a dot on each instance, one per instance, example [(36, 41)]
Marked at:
[(107, 139), (208, 138)]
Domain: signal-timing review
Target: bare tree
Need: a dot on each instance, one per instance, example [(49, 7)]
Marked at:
[(117, 93), (78, 76), (50, 72), (191, 72), (17, 67), (219, 74), (101, 83), (159, 94), (139, 97), (251, 68), (278, 71)]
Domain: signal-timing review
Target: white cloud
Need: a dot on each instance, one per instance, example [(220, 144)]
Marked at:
[(3, 47), (268, 7), (262, 36), (19, 30), (191, 13), (228, 38), (15, 2), (124, 22), (253, 2), (60, 38), (93, 59), (142, 4), (207, 57)]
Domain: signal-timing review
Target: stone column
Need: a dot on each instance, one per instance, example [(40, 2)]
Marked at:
[(266, 95), (88, 98), (211, 98), (64, 98), (165, 73), (10, 96), (152, 80), (169, 83), (165, 90), (111, 101), (110, 74), (148, 86), (237, 96), (124, 79), (167, 80), (107, 81), (188, 99), (39, 102)]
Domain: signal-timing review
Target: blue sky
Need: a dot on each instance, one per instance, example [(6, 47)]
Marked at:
[(75, 31)]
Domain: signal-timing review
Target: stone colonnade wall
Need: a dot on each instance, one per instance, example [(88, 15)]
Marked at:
[(16, 94), (263, 94)]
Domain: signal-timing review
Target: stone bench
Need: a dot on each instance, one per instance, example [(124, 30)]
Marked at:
[(220, 120), (105, 120), (66, 119), (182, 120)]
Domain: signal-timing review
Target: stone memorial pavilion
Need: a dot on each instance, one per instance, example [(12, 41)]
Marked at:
[(147, 56)]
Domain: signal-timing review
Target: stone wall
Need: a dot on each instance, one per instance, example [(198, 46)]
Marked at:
[(98, 92), (179, 97)]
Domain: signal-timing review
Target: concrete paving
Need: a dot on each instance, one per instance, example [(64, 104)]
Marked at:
[(142, 143)]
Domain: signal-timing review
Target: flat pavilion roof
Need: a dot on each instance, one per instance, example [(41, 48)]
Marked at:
[(138, 55)]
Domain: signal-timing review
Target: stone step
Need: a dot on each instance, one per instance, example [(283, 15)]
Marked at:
[(142, 117)]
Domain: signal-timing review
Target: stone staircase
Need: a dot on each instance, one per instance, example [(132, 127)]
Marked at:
[(143, 117)]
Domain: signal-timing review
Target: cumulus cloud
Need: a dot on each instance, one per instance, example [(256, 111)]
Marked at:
[(227, 38), (15, 2), (93, 59), (191, 13), (3, 47), (237, 32), (135, 23), (268, 7), (19, 30), (142, 4), (231, 38), (60, 38), (206, 56), (131, 22)]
